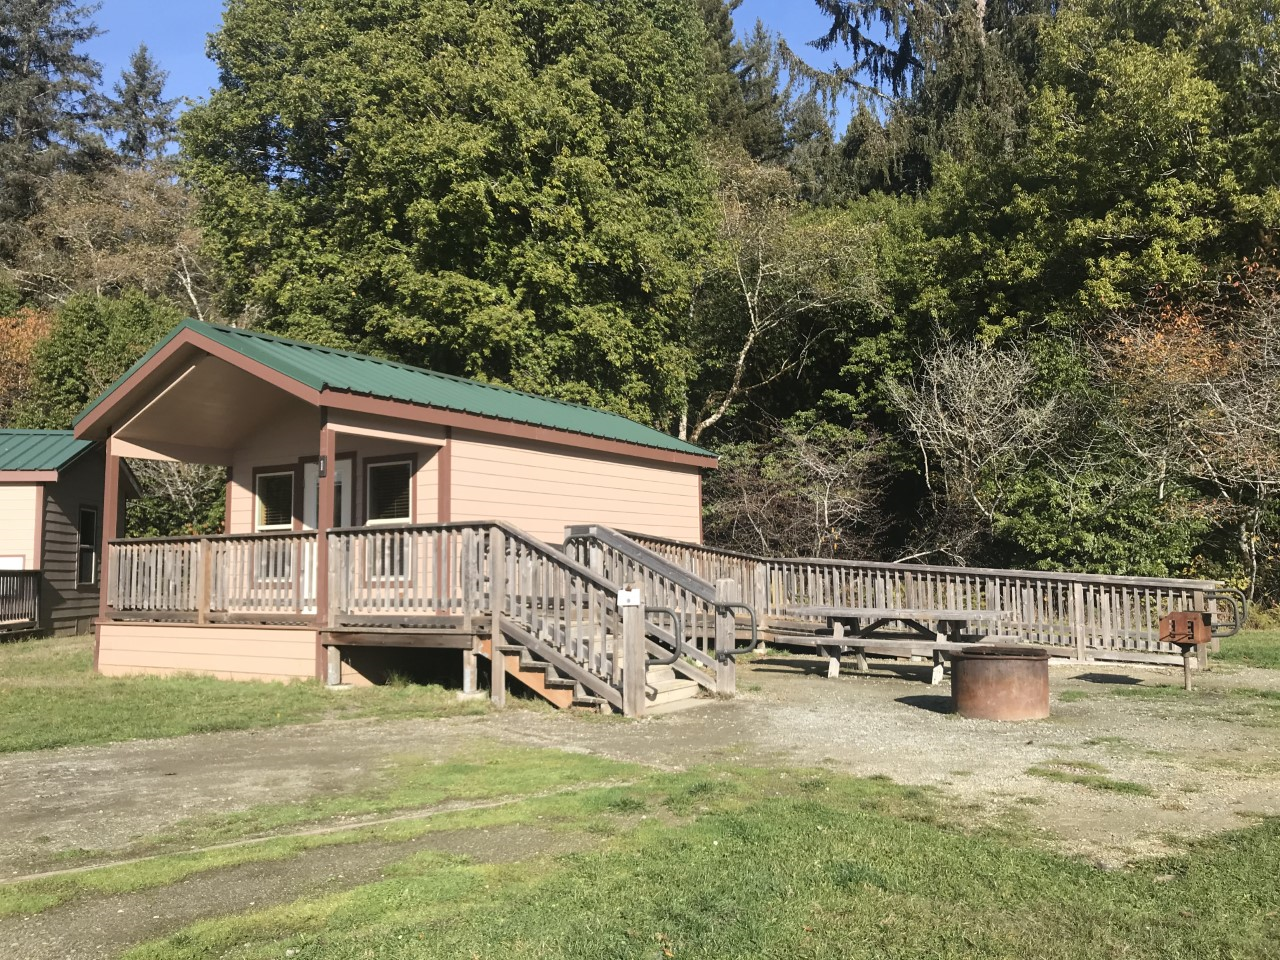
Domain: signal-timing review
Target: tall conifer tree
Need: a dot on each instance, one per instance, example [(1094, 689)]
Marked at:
[(48, 103), (139, 114)]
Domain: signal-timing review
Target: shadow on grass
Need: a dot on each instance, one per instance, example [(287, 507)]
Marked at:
[(1108, 678)]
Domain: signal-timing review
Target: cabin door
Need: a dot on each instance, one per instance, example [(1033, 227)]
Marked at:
[(311, 517)]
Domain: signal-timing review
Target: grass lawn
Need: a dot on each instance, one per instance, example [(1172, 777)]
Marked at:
[(1254, 648), (50, 697), (728, 862)]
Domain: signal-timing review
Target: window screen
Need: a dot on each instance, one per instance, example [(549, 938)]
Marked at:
[(87, 553), (388, 487), (275, 501)]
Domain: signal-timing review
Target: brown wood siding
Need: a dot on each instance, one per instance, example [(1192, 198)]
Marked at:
[(65, 607)]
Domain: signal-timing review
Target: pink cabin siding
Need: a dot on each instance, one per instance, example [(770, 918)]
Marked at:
[(539, 487), (542, 489), (20, 507), (293, 438), (226, 652)]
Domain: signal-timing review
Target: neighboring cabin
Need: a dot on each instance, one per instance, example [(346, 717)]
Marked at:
[(51, 521)]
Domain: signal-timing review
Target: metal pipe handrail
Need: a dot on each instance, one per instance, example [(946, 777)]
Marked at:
[(678, 633), (755, 631)]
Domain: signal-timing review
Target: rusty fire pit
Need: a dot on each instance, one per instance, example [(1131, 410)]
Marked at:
[(1000, 683)]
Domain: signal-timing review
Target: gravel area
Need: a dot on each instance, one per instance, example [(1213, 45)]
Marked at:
[(1211, 759)]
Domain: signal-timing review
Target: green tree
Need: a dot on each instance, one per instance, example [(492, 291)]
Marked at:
[(48, 104), (93, 341), (508, 190), (763, 132), (139, 115)]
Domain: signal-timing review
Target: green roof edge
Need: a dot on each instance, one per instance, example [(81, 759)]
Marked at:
[(200, 326), (72, 455)]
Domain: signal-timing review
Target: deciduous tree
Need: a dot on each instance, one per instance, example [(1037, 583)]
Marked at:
[(514, 191)]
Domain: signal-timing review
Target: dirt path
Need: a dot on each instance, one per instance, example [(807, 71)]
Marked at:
[(101, 928)]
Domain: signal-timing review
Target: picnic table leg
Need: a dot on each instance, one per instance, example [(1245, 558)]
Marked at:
[(862, 659), (833, 652), (939, 662)]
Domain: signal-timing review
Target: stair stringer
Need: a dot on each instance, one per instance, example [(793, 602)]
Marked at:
[(596, 686)]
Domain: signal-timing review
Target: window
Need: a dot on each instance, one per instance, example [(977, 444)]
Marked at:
[(389, 500), (389, 497), (274, 494), (87, 548)]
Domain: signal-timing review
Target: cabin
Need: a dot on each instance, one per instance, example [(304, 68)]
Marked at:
[(50, 531), (369, 505)]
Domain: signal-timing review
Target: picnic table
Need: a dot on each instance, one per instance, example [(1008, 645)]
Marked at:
[(930, 632)]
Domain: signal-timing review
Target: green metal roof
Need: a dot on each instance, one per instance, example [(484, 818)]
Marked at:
[(324, 368), (39, 449)]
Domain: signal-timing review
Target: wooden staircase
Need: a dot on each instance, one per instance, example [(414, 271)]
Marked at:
[(664, 691)]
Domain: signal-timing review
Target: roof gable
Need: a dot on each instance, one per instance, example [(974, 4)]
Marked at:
[(27, 450), (324, 369)]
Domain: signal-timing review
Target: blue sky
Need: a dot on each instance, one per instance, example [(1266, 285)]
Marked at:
[(175, 32)]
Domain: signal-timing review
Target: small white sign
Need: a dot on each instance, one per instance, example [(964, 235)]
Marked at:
[(629, 598)]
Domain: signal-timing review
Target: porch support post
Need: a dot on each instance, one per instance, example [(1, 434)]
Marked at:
[(444, 479), (111, 528), (324, 523)]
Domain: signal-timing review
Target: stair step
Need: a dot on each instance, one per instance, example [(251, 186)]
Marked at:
[(677, 706), (669, 691), (656, 674)]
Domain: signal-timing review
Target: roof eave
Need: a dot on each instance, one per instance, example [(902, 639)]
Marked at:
[(88, 424), (444, 416)]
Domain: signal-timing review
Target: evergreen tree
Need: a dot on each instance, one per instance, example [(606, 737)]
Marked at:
[(48, 104), (948, 80), (763, 131), (726, 109), (139, 114)]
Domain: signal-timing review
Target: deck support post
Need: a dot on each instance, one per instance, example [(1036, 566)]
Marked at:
[(325, 507), (633, 661), (497, 604), (469, 682), (727, 591), (333, 666)]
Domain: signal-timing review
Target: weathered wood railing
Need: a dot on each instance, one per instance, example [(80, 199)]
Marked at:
[(430, 575), (624, 561), (422, 572), (1092, 615), (19, 600), (223, 577)]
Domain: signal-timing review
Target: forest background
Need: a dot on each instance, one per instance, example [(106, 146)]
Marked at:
[(1021, 309)]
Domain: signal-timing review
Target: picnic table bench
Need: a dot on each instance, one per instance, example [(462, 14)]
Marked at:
[(931, 632)]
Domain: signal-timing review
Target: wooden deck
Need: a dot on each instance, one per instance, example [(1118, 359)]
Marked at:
[(19, 601), (472, 587)]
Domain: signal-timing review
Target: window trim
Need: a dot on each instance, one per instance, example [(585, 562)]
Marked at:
[(94, 548), (295, 523), (300, 493), (366, 488)]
